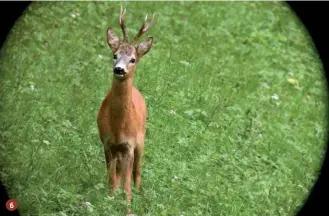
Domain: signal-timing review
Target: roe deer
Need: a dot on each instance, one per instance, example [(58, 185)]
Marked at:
[(122, 115)]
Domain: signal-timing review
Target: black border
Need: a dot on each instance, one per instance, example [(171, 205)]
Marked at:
[(313, 15), (10, 11)]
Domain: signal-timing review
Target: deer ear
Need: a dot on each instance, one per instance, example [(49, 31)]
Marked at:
[(144, 47), (112, 40)]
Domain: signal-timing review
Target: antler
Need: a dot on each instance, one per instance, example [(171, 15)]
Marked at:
[(145, 27), (122, 24)]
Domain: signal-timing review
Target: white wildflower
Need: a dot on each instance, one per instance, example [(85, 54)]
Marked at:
[(185, 63), (100, 56), (46, 142), (87, 203), (75, 15), (172, 112), (275, 97)]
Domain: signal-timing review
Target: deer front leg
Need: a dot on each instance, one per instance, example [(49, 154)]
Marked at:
[(111, 163), (128, 173), (119, 168), (137, 165)]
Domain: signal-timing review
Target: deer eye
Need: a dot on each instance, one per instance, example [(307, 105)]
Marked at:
[(133, 60), (114, 57)]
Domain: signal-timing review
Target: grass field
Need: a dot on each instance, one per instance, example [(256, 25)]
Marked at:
[(236, 99)]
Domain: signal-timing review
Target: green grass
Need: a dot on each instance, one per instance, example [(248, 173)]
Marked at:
[(218, 140)]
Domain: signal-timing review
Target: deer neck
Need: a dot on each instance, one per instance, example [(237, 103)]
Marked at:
[(121, 96)]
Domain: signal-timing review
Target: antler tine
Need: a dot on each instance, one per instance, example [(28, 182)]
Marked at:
[(122, 24), (145, 27)]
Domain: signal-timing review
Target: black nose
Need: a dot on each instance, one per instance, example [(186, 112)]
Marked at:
[(119, 70)]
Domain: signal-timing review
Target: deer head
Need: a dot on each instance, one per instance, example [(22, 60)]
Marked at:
[(126, 55)]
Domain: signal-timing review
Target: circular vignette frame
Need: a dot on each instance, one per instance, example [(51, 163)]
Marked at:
[(312, 14)]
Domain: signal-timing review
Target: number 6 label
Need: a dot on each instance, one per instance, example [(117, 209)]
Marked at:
[(11, 205)]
